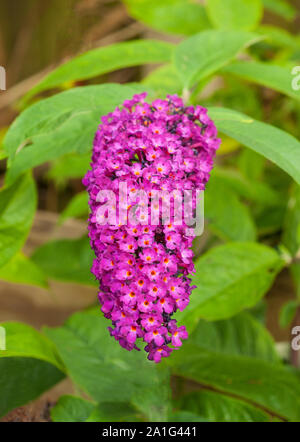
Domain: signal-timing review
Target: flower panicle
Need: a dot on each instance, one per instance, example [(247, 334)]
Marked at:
[(142, 268)]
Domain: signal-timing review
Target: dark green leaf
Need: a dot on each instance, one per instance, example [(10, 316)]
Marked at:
[(185, 416), (227, 217), (28, 367), (230, 278), (71, 409), (17, 208), (263, 384), (258, 192), (85, 346), (217, 407), (240, 335)]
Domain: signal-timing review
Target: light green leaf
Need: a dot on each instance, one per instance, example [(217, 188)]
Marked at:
[(60, 124), (24, 341), (72, 409), (281, 7), (103, 60), (265, 74), (17, 208), (28, 356), (68, 260), (184, 17), (90, 349), (229, 279), (164, 80), (68, 167), (227, 217), (278, 37), (217, 407), (235, 14), (21, 270), (274, 144), (77, 207), (203, 54)]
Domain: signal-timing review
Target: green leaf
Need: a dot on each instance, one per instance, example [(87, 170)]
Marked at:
[(71, 409), (164, 80), (184, 17), (185, 416), (287, 313), (28, 356), (245, 378), (68, 260), (217, 407), (235, 14), (278, 37), (291, 228), (258, 192), (21, 270), (227, 217), (77, 207), (103, 60), (274, 144), (239, 335), (249, 379), (203, 54), (265, 74), (60, 124), (251, 164), (230, 278), (114, 412), (23, 380), (282, 8), (68, 167), (291, 234), (17, 208), (24, 341), (113, 373)]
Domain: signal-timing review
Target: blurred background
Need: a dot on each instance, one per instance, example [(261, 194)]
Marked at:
[(35, 37)]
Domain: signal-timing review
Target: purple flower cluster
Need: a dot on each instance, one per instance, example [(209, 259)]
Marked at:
[(143, 268)]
